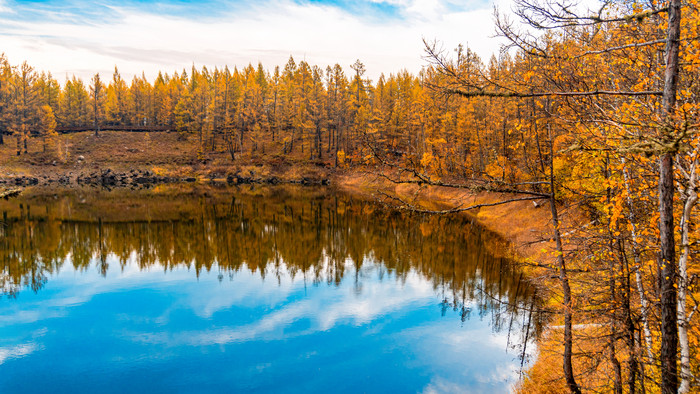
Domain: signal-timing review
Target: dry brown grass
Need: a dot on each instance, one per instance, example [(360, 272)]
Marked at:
[(164, 153)]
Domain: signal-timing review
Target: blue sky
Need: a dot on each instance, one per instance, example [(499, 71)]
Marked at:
[(84, 37)]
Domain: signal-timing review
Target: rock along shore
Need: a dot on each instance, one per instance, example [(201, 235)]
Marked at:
[(143, 178)]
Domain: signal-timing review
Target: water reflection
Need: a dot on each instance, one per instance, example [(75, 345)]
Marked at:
[(293, 265)]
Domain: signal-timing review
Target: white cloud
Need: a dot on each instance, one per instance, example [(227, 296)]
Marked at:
[(23, 349), (328, 308), (269, 32), (16, 351), (4, 8)]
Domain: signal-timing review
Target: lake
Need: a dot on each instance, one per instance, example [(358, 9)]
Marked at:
[(253, 289)]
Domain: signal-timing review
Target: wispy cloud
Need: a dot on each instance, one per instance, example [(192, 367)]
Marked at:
[(327, 309), (16, 351), (23, 349), (4, 8), (82, 38)]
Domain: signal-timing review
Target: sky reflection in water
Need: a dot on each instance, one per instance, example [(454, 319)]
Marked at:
[(182, 329)]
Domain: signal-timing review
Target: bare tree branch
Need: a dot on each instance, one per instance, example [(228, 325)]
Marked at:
[(405, 205), (484, 93)]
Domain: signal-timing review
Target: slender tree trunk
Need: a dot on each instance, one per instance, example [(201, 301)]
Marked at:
[(482, 166), (686, 374), (330, 138), (201, 137), (617, 377), (563, 279), (94, 119), (240, 142), (568, 316), (669, 329), (614, 299), (337, 141), (319, 141), (638, 269), (642, 367), (630, 329), (505, 150), (690, 197)]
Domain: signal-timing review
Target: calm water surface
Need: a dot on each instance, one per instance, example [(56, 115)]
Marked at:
[(254, 289)]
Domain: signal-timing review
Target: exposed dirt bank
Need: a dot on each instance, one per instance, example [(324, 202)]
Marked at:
[(524, 225)]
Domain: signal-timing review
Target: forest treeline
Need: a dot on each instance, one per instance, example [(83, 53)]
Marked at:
[(323, 113), (593, 113)]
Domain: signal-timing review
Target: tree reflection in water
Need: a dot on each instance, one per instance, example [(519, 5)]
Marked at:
[(314, 235)]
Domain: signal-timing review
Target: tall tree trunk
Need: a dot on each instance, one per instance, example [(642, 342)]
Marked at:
[(614, 299), (95, 122), (666, 261), (201, 137), (629, 326), (638, 269), (319, 141), (337, 142), (690, 197), (683, 321), (563, 279), (482, 159), (240, 141), (667, 257)]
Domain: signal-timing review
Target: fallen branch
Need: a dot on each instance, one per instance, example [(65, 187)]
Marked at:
[(405, 205)]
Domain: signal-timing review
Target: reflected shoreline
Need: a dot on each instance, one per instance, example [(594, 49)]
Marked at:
[(300, 226)]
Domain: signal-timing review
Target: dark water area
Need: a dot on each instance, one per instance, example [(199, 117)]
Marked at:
[(275, 289)]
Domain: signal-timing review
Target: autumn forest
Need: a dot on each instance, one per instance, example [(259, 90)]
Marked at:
[(593, 116)]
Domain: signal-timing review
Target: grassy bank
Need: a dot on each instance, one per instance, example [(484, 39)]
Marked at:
[(160, 153)]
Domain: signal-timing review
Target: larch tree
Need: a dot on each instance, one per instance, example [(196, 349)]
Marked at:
[(5, 97), (116, 101), (49, 91), (47, 126), (25, 101), (74, 105), (97, 95)]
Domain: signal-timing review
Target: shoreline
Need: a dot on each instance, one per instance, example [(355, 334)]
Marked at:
[(138, 177)]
